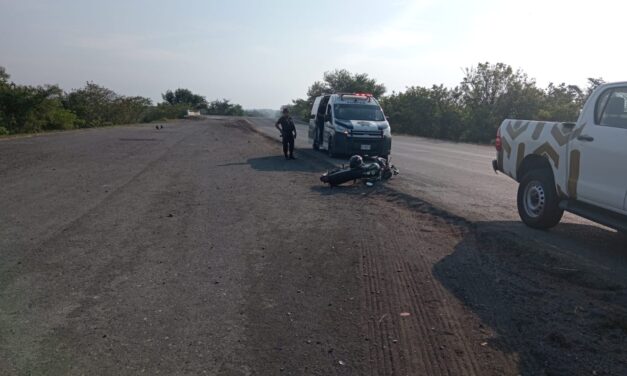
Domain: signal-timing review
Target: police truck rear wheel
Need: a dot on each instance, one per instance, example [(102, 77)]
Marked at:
[(538, 202)]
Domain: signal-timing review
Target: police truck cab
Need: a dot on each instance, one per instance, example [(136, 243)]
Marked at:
[(347, 124)]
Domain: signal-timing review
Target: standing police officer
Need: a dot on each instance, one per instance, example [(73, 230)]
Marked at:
[(288, 133)]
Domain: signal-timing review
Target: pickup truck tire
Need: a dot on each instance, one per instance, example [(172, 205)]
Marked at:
[(538, 202)]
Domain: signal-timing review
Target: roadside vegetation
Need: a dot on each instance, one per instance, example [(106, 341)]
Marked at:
[(33, 109), (264, 113), (471, 111)]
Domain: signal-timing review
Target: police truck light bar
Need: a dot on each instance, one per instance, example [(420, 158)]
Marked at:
[(355, 96)]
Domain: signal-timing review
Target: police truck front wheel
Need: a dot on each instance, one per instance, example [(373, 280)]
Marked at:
[(538, 202), (331, 148)]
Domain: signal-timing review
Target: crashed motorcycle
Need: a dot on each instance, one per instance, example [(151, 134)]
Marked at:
[(371, 172)]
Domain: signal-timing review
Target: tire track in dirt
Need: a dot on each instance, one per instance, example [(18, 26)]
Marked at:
[(387, 301), (449, 322), (422, 303), (434, 338)]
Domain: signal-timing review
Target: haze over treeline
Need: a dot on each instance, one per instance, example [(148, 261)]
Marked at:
[(32, 109), (470, 111), (263, 54)]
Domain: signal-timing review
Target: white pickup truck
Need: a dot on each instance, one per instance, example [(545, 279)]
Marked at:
[(577, 167)]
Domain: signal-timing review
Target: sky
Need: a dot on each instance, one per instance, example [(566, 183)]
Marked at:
[(263, 54)]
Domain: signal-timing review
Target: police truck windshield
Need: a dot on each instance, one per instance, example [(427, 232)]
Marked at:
[(358, 112)]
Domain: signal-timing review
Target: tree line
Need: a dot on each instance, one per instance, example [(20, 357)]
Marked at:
[(31, 109), (470, 111)]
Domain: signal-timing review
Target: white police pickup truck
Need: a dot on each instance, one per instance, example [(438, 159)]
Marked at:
[(577, 167)]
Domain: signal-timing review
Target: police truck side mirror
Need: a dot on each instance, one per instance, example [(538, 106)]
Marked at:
[(312, 116)]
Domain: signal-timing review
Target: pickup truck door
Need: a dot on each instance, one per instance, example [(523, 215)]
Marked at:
[(602, 150)]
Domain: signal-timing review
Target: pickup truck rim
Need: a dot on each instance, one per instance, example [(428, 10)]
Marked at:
[(535, 199)]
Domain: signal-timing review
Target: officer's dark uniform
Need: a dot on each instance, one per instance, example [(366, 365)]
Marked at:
[(288, 129)]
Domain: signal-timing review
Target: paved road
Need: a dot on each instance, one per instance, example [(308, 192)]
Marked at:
[(197, 249), (454, 176), (131, 250), (459, 178), (194, 250)]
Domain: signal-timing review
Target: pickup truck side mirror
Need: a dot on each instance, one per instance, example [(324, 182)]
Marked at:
[(387, 118), (328, 117), (312, 116)]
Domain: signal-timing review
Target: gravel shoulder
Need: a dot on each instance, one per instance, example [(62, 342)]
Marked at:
[(197, 249)]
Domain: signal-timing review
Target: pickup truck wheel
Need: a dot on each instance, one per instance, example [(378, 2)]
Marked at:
[(538, 203)]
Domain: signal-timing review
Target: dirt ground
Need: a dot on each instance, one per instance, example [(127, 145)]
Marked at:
[(197, 249)]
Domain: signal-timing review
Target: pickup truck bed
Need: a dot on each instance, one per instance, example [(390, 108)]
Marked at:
[(579, 167)]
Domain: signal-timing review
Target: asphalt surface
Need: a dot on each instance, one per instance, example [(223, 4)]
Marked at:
[(198, 249), (132, 250), (459, 178)]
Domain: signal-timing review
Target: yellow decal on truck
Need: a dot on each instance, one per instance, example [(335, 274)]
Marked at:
[(517, 129), (547, 150)]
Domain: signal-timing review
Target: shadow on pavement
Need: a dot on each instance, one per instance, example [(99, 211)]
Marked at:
[(356, 189), (279, 163), (561, 315), (589, 243)]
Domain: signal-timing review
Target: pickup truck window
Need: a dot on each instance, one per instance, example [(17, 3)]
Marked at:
[(600, 106), (611, 109)]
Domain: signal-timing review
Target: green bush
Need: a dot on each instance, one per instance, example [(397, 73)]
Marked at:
[(27, 109), (58, 118), (164, 111), (98, 106), (224, 107)]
